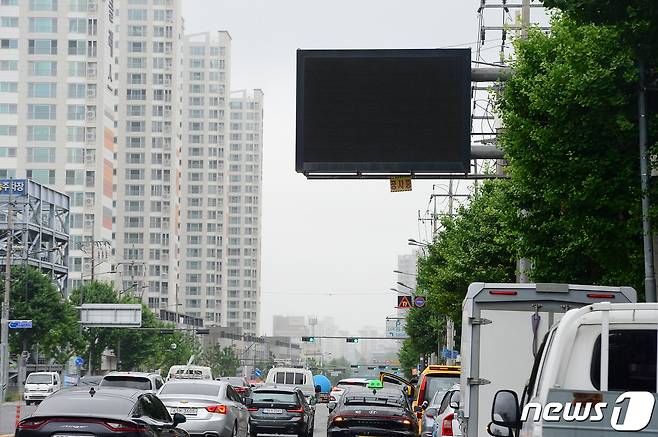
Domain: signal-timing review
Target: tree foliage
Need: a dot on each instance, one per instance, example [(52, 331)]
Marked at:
[(571, 141), (54, 321), (223, 361)]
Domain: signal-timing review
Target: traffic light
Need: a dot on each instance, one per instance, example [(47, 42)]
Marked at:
[(352, 340), (309, 339)]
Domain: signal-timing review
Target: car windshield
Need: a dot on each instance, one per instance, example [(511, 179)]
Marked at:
[(190, 389), (82, 403), (136, 382), (437, 383), (39, 379), (274, 396), (374, 400)]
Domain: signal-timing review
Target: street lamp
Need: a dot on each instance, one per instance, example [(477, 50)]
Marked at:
[(400, 292), (413, 242), (404, 273), (404, 285)]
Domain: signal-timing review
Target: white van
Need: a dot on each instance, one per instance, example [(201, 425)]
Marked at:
[(40, 385), (189, 372), (300, 378), (597, 362)]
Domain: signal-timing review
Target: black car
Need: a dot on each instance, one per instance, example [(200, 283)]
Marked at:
[(367, 412), (102, 412), (280, 410)]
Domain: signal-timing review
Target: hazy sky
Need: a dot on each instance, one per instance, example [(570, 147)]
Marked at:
[(319, 237)]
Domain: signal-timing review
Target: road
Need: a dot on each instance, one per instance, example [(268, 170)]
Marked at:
[(8, 418)]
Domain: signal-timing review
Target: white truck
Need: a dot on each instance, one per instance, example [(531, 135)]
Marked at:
[(503, 326), (596, 375)]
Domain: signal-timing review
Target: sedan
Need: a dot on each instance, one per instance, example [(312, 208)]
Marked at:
[(446, 422), (239, 384), (102, 413), (280, 410), (378, 412), (210, 407)]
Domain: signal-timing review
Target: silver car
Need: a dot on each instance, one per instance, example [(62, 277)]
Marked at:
[(446, 422), (212, 408)]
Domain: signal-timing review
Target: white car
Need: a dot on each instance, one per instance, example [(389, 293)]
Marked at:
[(446, 422), (339, 389), (40, 385), (149, 382)]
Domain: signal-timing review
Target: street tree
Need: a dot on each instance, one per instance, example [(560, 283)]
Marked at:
[(54, 320), (570, 138), (223, 361)]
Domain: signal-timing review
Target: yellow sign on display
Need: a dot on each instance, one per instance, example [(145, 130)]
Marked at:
[(400, 183)]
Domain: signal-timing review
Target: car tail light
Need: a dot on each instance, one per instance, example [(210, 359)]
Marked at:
[(252, 409), (338, 420), (296, 410), (124, 427), (502, 293), (601, 295), (331, 398), (240, 389), (421, 392), (31, 423), (219, 409), (446, 425)]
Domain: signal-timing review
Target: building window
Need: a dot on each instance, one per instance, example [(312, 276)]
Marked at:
[(42, 176), (8, 43), (43, 5), (42, 47), (43, 25), (41, 112), (39, 90), (41, 133), (42, 68), (137, 14)]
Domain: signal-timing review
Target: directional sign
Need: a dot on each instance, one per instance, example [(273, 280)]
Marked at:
[(419, 301), (79, 361), (20, 324), (404, 301), (396, 328), (258, 373)]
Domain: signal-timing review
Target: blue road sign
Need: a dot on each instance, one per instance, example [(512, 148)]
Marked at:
[(258, 373), (20, 324), (79, 361), (15, 187), (419, 301)]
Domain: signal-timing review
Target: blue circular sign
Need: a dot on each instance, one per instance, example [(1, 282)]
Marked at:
[(79, 361), (419, 301)]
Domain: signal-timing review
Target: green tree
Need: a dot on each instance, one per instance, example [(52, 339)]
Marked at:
[(54, 320), (571, 141), (409, 357), (223, 361), (173, 349), (477, 245)]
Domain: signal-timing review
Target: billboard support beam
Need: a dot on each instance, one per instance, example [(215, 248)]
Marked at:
[(490, 74)]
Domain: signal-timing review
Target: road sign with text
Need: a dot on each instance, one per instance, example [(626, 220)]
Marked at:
[(395, 328), (20, 324), (400, 183)]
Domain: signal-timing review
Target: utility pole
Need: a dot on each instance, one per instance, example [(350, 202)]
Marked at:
[(649, 273), (4, 335), (450, 327), (524, 265), (93, 260)]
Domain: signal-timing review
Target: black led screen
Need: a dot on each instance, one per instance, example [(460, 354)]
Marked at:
[(402, 111)]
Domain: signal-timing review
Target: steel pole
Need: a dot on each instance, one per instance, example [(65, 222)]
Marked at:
[(4, 334), (649, 274)]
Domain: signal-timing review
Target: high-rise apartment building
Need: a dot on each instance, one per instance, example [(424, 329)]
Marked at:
[(206, 76), (243, 229), (57, 111), (148, 149)]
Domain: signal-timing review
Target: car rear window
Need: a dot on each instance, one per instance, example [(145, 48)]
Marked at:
[(190, 389), (352, 383), (631, 362), (290, 378), (437, 383), (136, 382), (83, 403), (273, 396), (235, 382), (375, 401)]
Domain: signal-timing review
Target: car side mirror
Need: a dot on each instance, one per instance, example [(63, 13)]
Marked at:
[(505, 410), (248, 401), (318, 389), (178, 419)]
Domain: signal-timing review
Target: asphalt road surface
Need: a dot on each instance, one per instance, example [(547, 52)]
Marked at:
[(8, 418)]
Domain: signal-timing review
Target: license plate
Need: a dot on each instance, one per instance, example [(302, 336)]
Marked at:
[(184, 411), (272, 411)]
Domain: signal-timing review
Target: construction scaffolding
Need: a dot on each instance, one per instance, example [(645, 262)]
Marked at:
[(39, 230)]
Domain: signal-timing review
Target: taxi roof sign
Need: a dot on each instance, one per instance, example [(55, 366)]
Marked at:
[(375, 384)]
